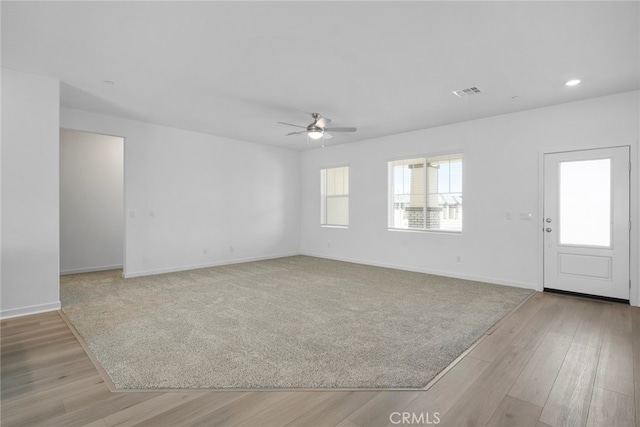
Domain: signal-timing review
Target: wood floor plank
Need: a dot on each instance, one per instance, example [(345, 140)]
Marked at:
[(84, 394), (45, 379), (335, 409), (635, 334), (66, 392), (239, 410), (22, 320), (59, 353), (615, 367), (610, 409), (636, 376), (532, 334), (514, 412), (347, 423), (277, 415), (75, 359), (446, 392), (619, 317), (33, 335), (147, 409), (20, 329), (592, 326), (28, 323), (535, 382), (504, 336), (376, 411), (198, 408), (117, 402), (478, 404), (35, 345), (569, 399), (36, 413), (568, 320)]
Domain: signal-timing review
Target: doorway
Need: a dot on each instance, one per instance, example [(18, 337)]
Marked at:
[(91, 202), (586, 222)]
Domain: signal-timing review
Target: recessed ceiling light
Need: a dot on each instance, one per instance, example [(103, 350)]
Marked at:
[(573, 82), (108, 82)]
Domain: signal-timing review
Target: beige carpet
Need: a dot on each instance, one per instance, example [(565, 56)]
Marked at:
[(289, 322)]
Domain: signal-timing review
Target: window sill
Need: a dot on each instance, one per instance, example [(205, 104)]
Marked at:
[(334, 226)]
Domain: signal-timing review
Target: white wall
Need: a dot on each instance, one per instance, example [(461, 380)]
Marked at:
[(501, 175), (30, 132), (91, 201), (191, 192)]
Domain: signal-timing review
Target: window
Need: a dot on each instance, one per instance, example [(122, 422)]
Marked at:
[(334, 189), (425, 193)]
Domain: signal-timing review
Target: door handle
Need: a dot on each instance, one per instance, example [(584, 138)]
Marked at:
[(548, 220), (548, 230)]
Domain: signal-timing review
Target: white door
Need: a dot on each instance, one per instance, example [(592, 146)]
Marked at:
[(586, 222)]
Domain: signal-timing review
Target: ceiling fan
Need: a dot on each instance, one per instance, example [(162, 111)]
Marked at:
[(318, 130)]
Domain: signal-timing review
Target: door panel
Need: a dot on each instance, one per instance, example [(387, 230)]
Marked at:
[(586, 222)]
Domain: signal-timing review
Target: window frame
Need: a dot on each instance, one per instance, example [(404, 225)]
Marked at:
[(323, 196), (391, 201)]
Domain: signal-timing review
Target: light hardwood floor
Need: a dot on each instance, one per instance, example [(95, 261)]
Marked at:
[(556, 361)]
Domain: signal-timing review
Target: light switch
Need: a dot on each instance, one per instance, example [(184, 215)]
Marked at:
[(132, 214)]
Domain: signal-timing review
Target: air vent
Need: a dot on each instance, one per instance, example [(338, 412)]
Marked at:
[(466, 92)]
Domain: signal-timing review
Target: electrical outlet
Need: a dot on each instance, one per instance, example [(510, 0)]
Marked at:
[(458, 258), (230, 248), (205, 251)]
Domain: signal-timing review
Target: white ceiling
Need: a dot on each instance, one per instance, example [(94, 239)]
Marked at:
[(236, 68)]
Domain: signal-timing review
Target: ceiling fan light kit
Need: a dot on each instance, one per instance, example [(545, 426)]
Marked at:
[(317, 131), (313, 137)]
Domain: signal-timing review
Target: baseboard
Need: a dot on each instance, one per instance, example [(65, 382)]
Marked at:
[(32, 309), (493, 280), (128, 275), (456, 275), (90, 269)]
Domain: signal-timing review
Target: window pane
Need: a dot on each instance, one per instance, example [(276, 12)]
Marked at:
[(444, 200), (585, 202), (334, 192), (337, 181), (337, 211), (407, 193)]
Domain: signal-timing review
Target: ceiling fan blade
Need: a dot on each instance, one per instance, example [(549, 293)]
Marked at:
[(289, 124), (295, 133), (340, 129), (327, 135), (322, 122)]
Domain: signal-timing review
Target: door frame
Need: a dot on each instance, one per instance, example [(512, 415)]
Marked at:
[(125, 231), (634, 215)]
